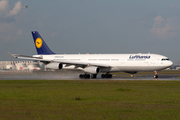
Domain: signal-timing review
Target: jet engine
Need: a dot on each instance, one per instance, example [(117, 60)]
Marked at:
[(92, 69), (56, 66)]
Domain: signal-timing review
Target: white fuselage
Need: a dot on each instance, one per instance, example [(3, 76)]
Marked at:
[(116, 62)]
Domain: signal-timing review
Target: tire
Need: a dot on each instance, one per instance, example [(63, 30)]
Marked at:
[(81, 76)]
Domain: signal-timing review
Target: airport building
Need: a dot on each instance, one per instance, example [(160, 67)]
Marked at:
[(21, 65)]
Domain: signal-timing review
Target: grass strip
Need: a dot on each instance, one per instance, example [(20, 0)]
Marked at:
[(89, 99)]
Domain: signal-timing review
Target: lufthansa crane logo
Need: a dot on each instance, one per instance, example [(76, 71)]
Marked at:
[(38, 42)]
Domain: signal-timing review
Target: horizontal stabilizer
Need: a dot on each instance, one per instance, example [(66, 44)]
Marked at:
[(24, 56), (11, 55)]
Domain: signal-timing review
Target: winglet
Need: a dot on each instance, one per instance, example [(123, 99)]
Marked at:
[(12, 55)]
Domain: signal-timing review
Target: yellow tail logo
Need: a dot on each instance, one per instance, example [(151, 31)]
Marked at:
[(38, 42)]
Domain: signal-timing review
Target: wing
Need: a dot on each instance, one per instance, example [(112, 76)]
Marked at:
[(39, 58)]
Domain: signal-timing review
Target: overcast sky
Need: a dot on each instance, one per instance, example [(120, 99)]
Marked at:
[(91, 26)]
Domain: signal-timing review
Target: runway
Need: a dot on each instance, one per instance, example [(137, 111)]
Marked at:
[(74, 75)]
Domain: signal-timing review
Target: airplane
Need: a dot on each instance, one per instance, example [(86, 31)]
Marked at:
[(93, 64)]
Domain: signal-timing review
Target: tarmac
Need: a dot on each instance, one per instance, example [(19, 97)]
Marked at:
[(74, 75)]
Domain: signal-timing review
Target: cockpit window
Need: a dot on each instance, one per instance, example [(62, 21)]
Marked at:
[(164, 59)]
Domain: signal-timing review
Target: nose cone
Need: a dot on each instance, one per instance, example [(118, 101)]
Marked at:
[(170, 63)]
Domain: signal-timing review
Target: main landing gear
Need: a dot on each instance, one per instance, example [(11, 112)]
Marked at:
[(87, 76), (106, 75), (156, 74), (95, 76)]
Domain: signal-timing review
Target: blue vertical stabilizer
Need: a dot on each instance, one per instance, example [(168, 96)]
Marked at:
[(40, 44)]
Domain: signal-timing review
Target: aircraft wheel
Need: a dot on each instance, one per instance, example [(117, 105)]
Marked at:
[(109, 75), (86, 76), (155, 76), (106, 76), (103, 76), (93, 75), (81, 76)]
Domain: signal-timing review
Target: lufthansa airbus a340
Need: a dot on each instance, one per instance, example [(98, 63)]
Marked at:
[(92, 64)]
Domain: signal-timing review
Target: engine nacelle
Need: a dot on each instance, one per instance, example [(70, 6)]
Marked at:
[(56, 66), (92, 69)]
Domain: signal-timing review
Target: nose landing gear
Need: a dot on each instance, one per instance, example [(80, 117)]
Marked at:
[(156, 74)]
